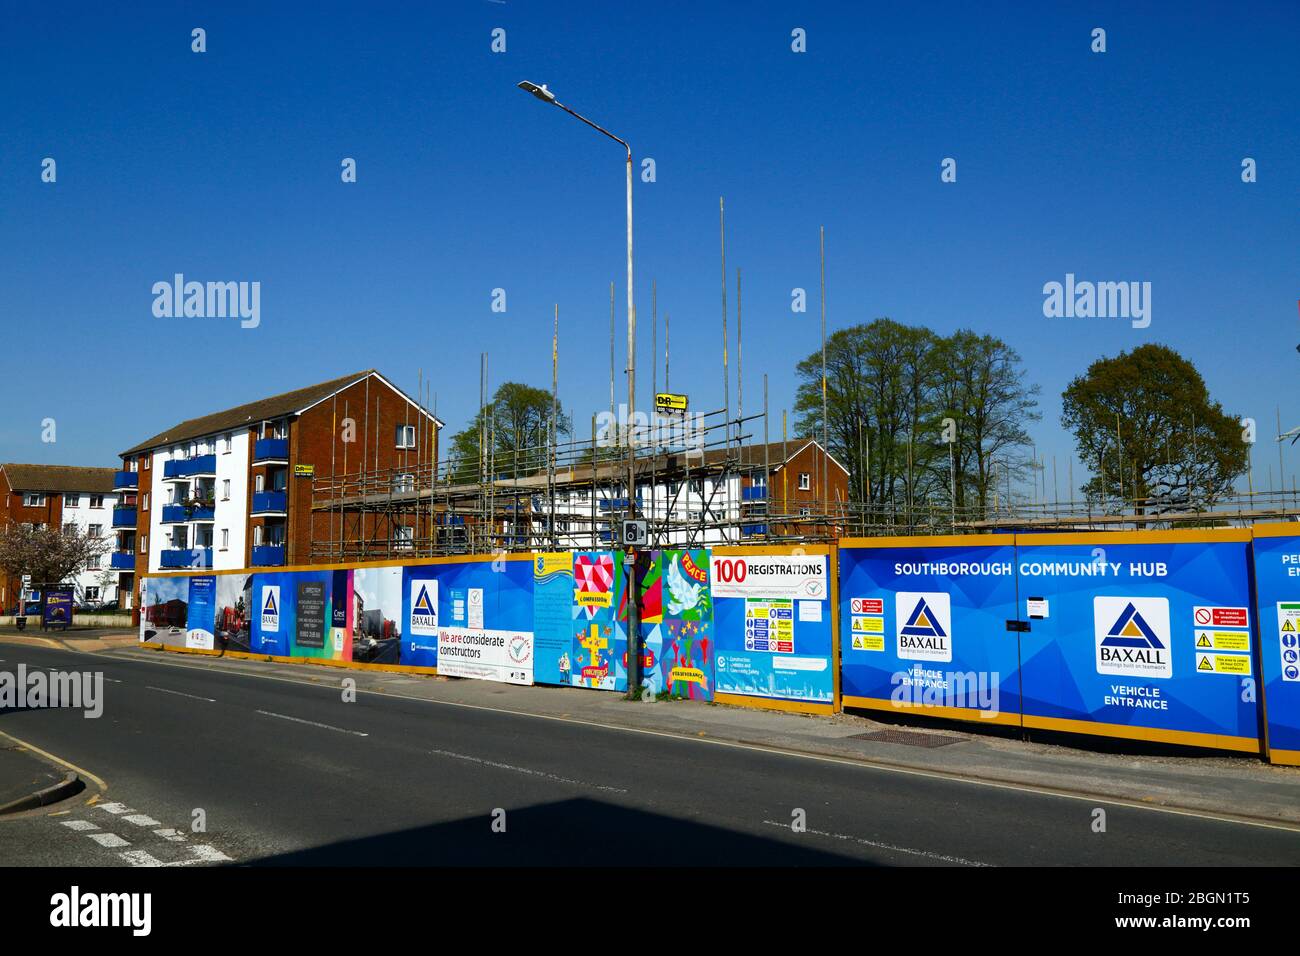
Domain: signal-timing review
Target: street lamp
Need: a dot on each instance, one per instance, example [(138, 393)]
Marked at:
[(633, 656)]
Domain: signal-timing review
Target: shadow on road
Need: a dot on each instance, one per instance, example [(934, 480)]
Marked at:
[(579, 832)]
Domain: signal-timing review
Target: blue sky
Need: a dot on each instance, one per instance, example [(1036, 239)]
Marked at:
[(225, 166)]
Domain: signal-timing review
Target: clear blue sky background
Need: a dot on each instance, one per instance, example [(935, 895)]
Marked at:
[(225, 166)]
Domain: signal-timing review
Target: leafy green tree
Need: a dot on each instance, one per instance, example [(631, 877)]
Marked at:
[(1145, 424), (513, 431)]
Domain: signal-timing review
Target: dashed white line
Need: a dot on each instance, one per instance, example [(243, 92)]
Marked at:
[(210, 700), (142, 820), (943, 858), (79, 825), (109, 840), (525, 770), (299, 720), (115, 808), (207, 854), (140, 858), (167, 833)]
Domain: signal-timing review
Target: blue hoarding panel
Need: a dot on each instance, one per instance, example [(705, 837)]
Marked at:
[(1277, 591), (926, 626), (1149, 640)]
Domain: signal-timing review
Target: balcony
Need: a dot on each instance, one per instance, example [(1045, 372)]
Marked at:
[(124, 518), (126, 481), (179, 514), (190, 467), (187, 558), (270, 503), (268, 451), (121, 561), (755, 493), (268, 555)]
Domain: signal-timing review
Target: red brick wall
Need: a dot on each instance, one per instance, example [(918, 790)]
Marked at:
[(12, 510), (317, 439)]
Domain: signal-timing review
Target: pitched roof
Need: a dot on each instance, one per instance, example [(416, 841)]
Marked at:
[(58, 478), (277, 406)]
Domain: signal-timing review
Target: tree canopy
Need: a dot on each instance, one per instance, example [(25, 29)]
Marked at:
[(515, 432)]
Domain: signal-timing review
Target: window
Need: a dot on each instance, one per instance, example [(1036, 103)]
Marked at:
[(69, 527), (96, 530), (148, 461), (405, 436), (805, 481), (257, 536), (92, 595), (146, 502), (403, 537), (225, 538), (229, 441), (33, 500), (71, 501), (404, 483), (259, 483), (96, 501), (225, 489), (805, 511), (759, 480), (93, 563), (144, 544)]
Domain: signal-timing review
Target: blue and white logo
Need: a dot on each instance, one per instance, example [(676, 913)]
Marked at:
[(424, 608), (1132, 636), (923, 625), (271, 608)]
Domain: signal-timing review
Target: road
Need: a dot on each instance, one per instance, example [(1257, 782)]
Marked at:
[(286, 772)]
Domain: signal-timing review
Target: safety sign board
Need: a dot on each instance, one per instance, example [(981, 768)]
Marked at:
[(1288, 625), (1222, 640), (1222, 663), (769, 626), (867, 606), (868, 642), (1221, 616), (769, 576), (875, 625)]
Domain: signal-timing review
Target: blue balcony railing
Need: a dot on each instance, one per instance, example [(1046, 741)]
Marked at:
[(187, 558), (121, 561), (269, 502), (268, 555), (126, 481), (756, 493), (174, 513), (750, 530), (271, 449), (189, 467), (202, 513), (124, 517)]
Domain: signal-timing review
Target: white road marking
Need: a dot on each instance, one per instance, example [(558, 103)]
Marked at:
[(942, 858), (531, 773), (142, 820), (175, 836), (178, 693), (110, 840), (117, 808), (140, 858), (79, 825), (207, 854), (237, 670), (299, 720)]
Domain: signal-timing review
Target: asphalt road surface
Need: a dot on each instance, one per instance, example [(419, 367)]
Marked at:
[(284, 772)]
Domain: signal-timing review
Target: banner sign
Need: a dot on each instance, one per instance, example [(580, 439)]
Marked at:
[(770, 576), (466, 596), (1277, 613), (505, 656), (202, 615), (773, 626), (57, 610), (677, 647)]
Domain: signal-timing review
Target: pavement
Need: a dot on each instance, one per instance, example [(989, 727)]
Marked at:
[(287, 769), (24, 773)]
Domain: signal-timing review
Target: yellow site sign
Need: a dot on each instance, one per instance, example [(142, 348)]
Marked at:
[(670, 402)]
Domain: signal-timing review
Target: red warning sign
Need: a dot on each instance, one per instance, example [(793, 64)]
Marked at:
[(1222, 616), (868, 605)]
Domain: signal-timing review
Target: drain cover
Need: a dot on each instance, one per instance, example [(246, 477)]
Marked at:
[(909, 737)]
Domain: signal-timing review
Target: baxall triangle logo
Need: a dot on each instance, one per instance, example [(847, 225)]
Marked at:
[(1132, 636), (424, 608), (271, 607), (923, 625)]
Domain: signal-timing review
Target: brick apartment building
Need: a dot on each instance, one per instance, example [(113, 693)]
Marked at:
[(233, 489), (55, 496)]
